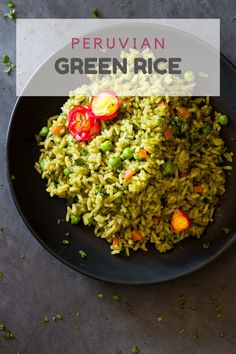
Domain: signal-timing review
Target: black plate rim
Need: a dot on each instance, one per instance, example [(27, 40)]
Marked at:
[(82, 271)]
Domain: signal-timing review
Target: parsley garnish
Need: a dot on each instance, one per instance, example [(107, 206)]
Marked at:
[(116, 298), (57, 317), (82, 254), (11, 14), (182, 301), (226, 230), (45, 319), (95, 13), (9, 335), (135, 350), (66, 242)]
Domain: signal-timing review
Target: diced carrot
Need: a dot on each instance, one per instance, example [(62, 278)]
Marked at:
[(128, 175), (82, 144), (198, 189), (168, 133), (161, 104), (183, 112), (115, 241), (143, 154), (58, 130), (136, 235), (179, 221)]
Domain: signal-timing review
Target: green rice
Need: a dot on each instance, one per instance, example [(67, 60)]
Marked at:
[(164, 181)]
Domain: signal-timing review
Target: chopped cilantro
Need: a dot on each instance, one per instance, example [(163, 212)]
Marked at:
[(129, 307), (76, 325), (206, 245), (2, 327), (66, 242), (226, 230), (95, 12), (57, 317), (182, 301), (3, 227), (45, 319), (219, 310), (1, 275), (195, 335), (100, 295), (11, 14), (9, 66), (135, 350), (234, 18), (160, 318), (9, 335), (116, 298), (82, 254), (182, 330), (221, 334)]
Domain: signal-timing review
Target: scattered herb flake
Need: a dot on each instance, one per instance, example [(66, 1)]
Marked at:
[(160, 318), (182, 330), (78, 314), (2, 327), (82, 254), (9, 66), (219, 310), (23, 257), (116, 298), (3, 227), (76, 325), (100, 295), (221, 334), (234, 19), (130, 309), (194, 307), (67, 234), (45, 319), (66, 242), (57, 317), (13, 177), (135, 350), (206, 245), (1, 275), (195, 335), (226, 230), (95, 12), (182, 301), (11, 14), (9, 335)]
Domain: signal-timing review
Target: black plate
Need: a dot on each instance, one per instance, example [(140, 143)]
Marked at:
[(41, 212)]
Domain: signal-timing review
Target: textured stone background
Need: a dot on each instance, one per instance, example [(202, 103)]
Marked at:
[(39, 285)]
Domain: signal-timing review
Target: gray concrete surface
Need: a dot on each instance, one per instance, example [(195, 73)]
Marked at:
[(39, 285)]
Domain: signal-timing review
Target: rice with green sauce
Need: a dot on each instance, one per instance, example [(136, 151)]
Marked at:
[(184, 151)]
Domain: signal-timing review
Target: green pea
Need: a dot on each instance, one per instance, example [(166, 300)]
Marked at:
[(205, 130), (79, 162), (169, 167), (106, 146), (128, 153), (189, 76), (44, 131), (117, 201), (74, 220), (66, 171), (224, 119), (114, 162)]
